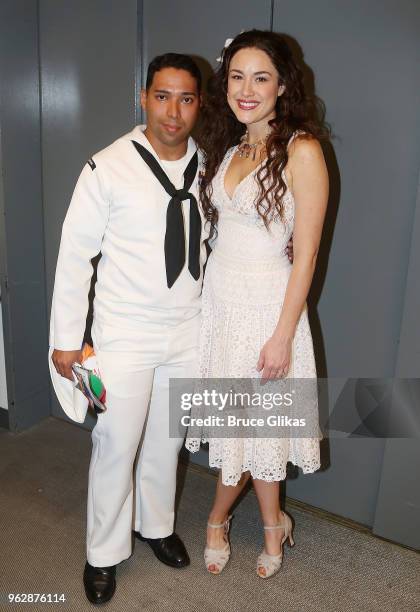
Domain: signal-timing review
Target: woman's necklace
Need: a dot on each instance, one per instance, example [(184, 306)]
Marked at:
[(245, 148)]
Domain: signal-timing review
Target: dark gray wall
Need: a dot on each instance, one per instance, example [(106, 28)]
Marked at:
[(398, 504), (88, 70), (365, 57), (197, 28), (363, 60), (22, 270)]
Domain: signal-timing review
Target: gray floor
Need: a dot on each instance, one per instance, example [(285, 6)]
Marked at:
[(42, 511)]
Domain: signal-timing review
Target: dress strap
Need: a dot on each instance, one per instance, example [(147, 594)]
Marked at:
[(293, 136)]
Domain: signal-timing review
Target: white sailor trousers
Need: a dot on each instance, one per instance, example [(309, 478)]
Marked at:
[(132, 474)]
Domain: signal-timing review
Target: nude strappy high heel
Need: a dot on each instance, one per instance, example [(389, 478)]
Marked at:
[(272, 563), (218, 556)]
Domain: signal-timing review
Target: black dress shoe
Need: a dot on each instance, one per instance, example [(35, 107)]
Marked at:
[(99, 583), (169, 550)]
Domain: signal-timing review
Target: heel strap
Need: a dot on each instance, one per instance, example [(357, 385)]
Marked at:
[(215, 526), (282, 525), (269, 527)]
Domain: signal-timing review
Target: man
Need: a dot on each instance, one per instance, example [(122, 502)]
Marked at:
[(136, 202)]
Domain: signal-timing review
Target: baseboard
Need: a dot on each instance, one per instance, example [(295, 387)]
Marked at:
[(4, 418)]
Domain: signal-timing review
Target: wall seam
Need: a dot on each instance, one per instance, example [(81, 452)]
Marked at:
[(140, 62), (41, 148)]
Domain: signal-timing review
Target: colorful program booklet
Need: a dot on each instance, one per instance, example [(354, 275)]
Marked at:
[(88, 380)]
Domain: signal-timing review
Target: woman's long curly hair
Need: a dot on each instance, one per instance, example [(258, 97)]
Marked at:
[(219, 128)]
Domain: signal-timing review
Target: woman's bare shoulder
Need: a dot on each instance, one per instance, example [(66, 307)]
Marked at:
[(304, 145), (305, 154)]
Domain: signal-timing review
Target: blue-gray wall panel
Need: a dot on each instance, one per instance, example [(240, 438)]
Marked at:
[(397, 514), (197, 28), (88, 64), (23, 301), (363, 57)]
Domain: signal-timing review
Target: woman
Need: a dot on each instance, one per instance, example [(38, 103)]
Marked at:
[(265, 177)]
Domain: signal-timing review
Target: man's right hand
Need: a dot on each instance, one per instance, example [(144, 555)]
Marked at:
[(289, 249), (63, 360)]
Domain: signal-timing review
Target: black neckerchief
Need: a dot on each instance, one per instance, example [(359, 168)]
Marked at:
[(175, 233)]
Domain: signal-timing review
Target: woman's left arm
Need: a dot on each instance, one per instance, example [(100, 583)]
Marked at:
[(310, 190)]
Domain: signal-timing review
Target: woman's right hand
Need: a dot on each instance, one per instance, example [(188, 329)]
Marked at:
[(63, 360)]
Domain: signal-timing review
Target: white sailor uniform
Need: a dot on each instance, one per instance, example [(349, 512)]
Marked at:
[(143, 333)]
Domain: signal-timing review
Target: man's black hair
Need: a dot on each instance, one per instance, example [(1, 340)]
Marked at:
[(173, 60)]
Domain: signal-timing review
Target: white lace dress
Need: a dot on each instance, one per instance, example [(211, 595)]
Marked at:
[(243, 292)]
